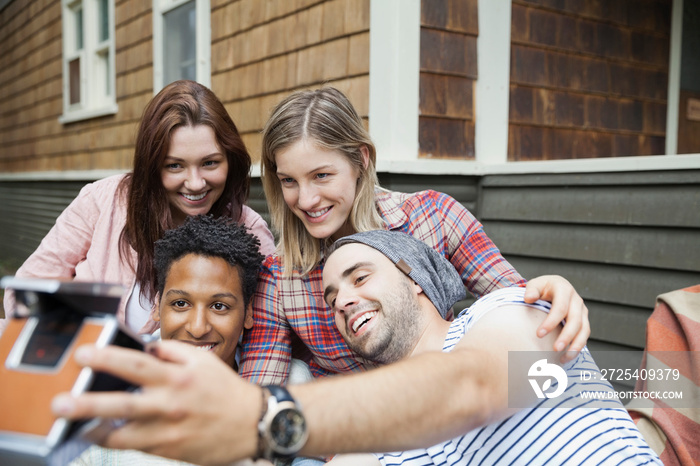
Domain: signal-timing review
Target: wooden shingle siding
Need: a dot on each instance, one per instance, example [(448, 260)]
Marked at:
[(588, 79), (620, 238), (448, 71), (261, 51), (31, 85)]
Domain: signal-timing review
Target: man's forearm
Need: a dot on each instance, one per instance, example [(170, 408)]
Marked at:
[(414, 403)]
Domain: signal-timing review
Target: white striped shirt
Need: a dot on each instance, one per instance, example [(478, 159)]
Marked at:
[(599, 432)]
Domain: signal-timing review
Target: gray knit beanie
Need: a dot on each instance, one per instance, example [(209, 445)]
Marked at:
[(435, 274)]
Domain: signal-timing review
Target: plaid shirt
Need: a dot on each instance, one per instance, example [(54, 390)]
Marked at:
[(283, 306)]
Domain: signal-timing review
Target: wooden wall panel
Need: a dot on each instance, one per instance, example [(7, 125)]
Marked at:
[(261, 51), (588, 79), (29, 210), (613, 284), (463, 188), (642, 246), (448, 71), (605, 205), (31, 91)]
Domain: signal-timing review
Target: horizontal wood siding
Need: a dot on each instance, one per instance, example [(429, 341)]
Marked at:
[(464, 189), (620, 238), (28, 210)]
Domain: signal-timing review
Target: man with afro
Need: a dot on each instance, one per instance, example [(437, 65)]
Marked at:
[(207, 272)]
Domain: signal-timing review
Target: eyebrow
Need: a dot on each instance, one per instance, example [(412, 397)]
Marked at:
[(180, 159), (178, 292), (322, 167), (216, 296), (225, 295), (347, 272)]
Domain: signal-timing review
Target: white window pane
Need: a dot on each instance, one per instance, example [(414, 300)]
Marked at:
[(79, 28), (103, 18), (180, 43), (101, 73)]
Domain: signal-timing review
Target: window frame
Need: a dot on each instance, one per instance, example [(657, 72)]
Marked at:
[(202, 37), (93, 102)]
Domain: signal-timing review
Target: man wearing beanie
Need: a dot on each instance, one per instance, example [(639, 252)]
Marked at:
[(389, 293)]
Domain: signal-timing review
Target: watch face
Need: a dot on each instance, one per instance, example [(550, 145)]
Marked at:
[(288, 430)]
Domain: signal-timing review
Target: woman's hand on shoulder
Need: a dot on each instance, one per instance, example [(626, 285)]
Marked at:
[(566, 305)]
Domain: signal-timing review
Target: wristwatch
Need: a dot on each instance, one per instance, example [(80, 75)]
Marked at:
[(282, 428)]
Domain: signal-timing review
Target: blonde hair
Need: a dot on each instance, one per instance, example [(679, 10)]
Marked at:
[(327, 118)]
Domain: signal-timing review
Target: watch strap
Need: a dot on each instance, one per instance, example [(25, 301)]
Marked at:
[(263, 411), (280, 393)]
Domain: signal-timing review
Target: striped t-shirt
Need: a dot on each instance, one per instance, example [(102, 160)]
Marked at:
[(590, 432)]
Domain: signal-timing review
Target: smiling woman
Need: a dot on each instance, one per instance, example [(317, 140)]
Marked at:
[(194, 172), (189, 159), (319, 186)]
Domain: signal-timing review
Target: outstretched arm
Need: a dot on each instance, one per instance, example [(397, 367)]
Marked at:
[(194, 408)]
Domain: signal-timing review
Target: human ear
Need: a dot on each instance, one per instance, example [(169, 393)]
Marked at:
[(365, 156), (248, 321)]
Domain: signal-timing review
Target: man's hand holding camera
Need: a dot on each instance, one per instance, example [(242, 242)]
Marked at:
[(165, 418)]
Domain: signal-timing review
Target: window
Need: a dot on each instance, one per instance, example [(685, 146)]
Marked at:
[(88, 59), (181, 41)]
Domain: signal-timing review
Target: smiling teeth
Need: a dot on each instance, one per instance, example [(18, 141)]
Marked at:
[(204, 347), (361, 320), (317, 214), (192, 197)]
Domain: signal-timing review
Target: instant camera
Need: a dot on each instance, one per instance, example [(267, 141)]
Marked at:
[(52, 318)]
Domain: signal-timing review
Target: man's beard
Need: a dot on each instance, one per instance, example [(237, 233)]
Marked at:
[(397, 334)]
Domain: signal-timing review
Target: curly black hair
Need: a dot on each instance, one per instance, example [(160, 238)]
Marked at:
[(207, 236)]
